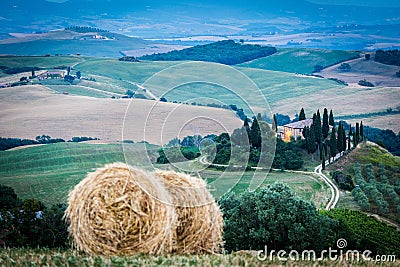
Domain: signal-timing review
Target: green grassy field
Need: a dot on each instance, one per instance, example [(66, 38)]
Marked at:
[(300, 60), (39, 61), (273, 85), (49, 172), (306, 186)]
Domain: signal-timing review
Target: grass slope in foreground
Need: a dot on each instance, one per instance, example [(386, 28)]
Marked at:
[(55, 257), (300, 60), (49, 172)]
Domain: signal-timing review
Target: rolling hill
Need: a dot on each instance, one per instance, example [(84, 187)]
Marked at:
[(30, 111), (67, 42), (49, 172), (300, 60), (285, 92)]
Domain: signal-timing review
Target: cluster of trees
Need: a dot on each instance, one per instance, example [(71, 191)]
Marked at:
[(276, 218), (128, 59), (257, 145), (177, 154), (344, 181), (225, 52), (7, 143), (84, 29), (29, 223), (345, 67), (390, 57), (327, 138), (385, 138), (365, 83)]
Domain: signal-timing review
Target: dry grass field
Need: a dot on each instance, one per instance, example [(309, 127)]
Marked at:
[(377, 73), (29, 111), (391, 122)]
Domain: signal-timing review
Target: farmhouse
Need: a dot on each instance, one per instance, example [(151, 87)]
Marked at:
[(53, 74), (295, 129)]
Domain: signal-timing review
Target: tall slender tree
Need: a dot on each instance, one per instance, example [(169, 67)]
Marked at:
[(331, 119), (357, 135), (312, 144), (275, 124), (340, 147), (349, 138), (255, 134), (246, 125), (343, 138), (361, 131), (302, 115), (325, 124), (333, 143), (323, 158)]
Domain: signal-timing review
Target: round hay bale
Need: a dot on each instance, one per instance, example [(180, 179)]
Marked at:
[(113, 212), (200, 222)]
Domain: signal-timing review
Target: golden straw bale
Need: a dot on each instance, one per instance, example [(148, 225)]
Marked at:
[(113, 211), (200, 222)]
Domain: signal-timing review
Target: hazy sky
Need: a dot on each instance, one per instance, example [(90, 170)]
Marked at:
[(389, 3)]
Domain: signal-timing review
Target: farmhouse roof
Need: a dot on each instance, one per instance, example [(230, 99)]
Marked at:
[(299, 124)]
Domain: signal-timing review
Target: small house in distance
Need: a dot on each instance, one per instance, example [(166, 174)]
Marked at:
[(53, 74), (295, 129)]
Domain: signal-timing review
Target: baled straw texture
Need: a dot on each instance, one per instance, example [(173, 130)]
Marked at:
[(113, 212), (200, 221)]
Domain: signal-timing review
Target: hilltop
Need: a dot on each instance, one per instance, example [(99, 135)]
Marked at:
[(361, 68), (65, 42)]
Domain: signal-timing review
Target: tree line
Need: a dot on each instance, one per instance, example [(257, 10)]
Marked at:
[(84, 29), (327, 138), (8, 143), (389, 57)]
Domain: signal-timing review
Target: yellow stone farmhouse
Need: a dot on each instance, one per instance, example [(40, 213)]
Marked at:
[(295, 129)]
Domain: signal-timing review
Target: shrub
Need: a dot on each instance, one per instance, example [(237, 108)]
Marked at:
[(365, 83)]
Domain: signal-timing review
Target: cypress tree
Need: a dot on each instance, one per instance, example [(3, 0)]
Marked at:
[(357, 134), (306, 135), (302, 115), (331, 119), (255, 134), (361, 132), (317, 128), (246, 125), (323, 158), (333, 143), (275, 124), (339, 138), (349, 140), (325, 124), (343, 138), (312, 144)]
